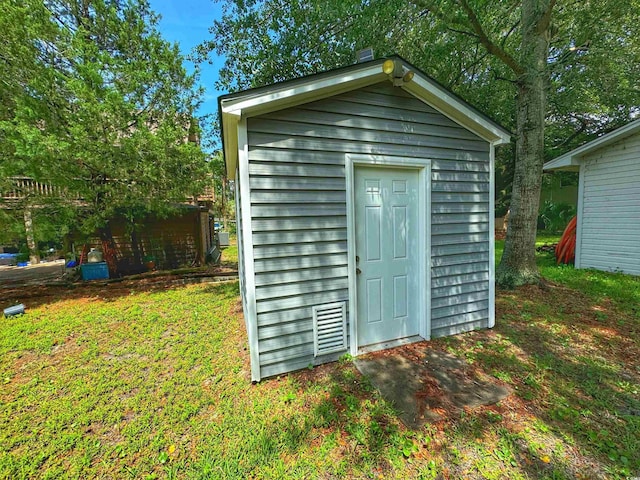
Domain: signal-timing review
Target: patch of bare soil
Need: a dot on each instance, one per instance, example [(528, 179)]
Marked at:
[(41, 273), (428, 384)]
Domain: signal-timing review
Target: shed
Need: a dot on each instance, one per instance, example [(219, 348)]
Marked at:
[(181, 239), (365, 199), (608, 224)]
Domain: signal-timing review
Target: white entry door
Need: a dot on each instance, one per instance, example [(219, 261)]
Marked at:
[(386, 204)]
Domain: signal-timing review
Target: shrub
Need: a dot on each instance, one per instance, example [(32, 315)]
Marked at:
[(555, 216)]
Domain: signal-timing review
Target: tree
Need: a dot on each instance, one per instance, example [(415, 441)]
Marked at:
[(223, 206), (528, 62), (109, 113)]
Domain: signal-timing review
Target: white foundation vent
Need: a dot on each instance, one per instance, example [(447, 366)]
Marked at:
[(329, 328)]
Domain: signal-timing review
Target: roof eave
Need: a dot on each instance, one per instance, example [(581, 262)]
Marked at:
[(233, 109), (565, 162), (230, 142), (571, 160), (287, 95)]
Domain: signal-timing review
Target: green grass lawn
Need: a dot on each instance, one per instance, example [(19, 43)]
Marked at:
[(127, 381), (622, 290)]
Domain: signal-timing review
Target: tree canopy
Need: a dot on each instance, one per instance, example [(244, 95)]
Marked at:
[(96, 102), (554, 73), (594, 59)]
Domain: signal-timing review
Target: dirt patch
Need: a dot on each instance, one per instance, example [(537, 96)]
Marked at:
[(40, 273), (426, 384)]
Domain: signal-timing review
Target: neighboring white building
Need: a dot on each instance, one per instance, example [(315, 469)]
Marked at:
[(608, 230)]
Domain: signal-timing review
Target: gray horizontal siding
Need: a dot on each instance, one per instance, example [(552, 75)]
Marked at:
[(467, 325), (305, 210), (451, 158), (296, 250), (371, 135), (297, 237), (308, 117), (459, 299), (299, 223), (298, 211), (298, 197), (611, 208), (271, 305), (449, 228), (459, 289), (459, 269), (307, 262), (303, 275), (455, 249), (301, 287)]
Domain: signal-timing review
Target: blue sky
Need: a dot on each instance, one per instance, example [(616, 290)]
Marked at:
[(187, 22)]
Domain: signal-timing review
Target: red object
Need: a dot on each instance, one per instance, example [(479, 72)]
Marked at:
[(83, 254), (109, 254), (566, 248)]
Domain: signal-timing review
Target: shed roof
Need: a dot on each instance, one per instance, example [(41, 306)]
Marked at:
[(258, 101), (571, 160)]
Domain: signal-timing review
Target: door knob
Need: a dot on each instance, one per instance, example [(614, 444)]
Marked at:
[(358, 271)]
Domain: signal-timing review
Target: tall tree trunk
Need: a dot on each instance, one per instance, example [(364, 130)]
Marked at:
[(518, 263), (34, 258)]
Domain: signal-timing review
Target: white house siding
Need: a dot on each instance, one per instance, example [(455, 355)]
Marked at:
[(298, 212), (611, 208)]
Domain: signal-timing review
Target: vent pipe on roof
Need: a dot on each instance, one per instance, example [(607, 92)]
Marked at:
[(364, 55)]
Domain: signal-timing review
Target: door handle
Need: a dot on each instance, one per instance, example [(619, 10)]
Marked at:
[(358, 271)]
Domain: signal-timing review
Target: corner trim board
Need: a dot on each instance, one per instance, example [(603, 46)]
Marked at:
[(241, 275), (249, 267), (580, 214), (492, 236)]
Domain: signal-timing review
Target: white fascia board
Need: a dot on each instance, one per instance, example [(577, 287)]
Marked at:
[(230, 129), (456, 110), (235, 109), (564, 162), (281, 97), (304, 92)]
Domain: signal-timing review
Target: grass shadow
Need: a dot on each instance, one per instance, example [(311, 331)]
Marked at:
[(573, 368), (42, 295)]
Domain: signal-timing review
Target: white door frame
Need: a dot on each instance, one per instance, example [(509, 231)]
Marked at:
[(423, 166)]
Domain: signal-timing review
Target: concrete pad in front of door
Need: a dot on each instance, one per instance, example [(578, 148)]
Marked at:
[(423, 383)]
